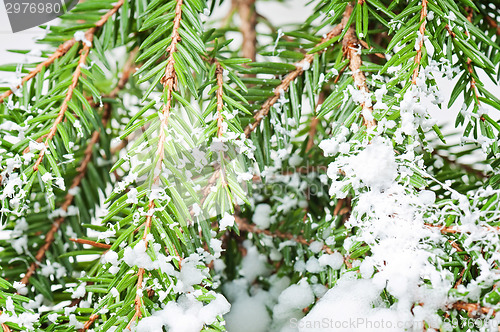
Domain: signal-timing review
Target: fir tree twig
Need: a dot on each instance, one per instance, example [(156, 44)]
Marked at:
[(285, 83), (63, 49), (418, 57), (169, 82)]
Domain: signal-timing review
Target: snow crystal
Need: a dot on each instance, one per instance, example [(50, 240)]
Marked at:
[(294, 298), (132, 196), (79, 292), (350, 301), (335, 260), (226, 221), (137, 256), (313, 266), (185, 315), (262, 216), (304, 65), (254, 264), (20, 288), (80, 36), (375, 166)]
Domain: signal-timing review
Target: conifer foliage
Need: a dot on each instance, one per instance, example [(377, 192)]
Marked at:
[(165, 170)]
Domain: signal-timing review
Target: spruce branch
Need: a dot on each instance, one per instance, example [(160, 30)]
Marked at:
[(63, 49), (169, 82), (418, 57), (50, 236), (67, 99), (304, 63), (352, 48)]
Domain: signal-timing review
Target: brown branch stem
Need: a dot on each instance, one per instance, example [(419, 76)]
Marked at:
[(418, 57), (92, 243)]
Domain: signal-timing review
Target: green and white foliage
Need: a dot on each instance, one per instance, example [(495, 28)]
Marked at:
[(155, 179)]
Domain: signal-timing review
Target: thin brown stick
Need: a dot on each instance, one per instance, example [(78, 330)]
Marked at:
[(92, 243), (352, 49), (470, 67), (248, 15), (5, 327), (61, 50), (169, 82), (244, 226), (89, 323), (418, 57), (314, 123), (285, 83)]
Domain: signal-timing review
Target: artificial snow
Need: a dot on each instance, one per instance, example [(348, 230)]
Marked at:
[(262, 216)]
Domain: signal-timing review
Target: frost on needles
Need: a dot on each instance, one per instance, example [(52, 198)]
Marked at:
[(191, 165)]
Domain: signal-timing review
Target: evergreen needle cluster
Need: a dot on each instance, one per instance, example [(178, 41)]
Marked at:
[(162, 169)]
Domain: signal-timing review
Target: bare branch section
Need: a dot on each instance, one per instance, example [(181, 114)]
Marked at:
[(169, 82), (421, 30), (304, 63), (352, 48), (61, 50), (248, 15)]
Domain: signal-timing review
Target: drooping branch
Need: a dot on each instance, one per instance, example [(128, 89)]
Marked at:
[(285, 83), (62, 49), (421, 31)]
